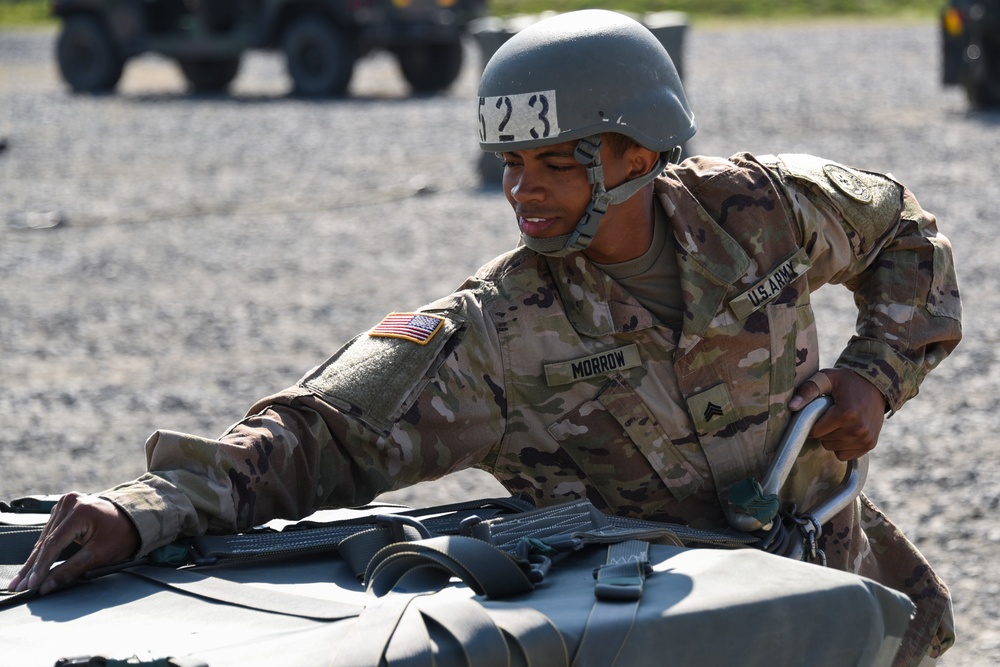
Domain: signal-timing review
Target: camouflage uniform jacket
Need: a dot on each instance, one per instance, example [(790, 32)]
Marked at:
[(547, 374)]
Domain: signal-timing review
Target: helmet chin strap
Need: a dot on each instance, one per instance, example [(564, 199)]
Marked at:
[(588, 152)]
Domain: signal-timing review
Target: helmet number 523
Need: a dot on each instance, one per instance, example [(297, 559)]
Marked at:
[(515, 118)]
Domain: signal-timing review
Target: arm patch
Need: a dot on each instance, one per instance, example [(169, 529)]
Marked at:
[(376, 377), (870, 203)]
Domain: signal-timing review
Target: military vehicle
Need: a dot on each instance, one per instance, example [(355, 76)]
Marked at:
[(971, 49), (320, 39)]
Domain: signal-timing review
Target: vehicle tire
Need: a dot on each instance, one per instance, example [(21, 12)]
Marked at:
[(431, 68), (983, 94), (319, 56), (209, 76), (980, 78), (88, 60), (981, 75)]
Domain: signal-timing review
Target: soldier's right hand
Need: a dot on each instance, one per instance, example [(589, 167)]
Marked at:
[(105, 534)]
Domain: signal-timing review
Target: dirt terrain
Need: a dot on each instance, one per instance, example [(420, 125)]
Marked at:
[(167, 259)]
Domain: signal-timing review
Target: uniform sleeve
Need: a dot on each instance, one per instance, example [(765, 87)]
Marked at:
[(385, 412), (867, 232)]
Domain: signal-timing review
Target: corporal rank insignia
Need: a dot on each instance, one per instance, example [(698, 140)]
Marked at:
[(415, 327)]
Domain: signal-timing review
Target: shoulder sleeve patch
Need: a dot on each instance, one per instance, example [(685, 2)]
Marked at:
[(870, 203), (417, 328), (377, 376)]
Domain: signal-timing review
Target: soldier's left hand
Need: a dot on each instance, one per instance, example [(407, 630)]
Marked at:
[(851, 426)]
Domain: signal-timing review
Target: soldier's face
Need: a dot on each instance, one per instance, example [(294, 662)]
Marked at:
[(548, 188)]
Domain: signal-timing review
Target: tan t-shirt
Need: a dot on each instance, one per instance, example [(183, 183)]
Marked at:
[(653, 277)]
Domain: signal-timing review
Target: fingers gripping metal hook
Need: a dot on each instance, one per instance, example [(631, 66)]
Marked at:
[(784, 460)]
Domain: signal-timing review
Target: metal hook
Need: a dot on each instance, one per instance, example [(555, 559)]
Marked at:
[(784, 460)]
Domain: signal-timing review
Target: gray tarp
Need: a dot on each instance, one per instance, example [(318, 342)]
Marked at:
[(698, 607)]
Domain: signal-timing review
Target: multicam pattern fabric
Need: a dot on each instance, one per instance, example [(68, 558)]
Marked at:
[(663, 439)]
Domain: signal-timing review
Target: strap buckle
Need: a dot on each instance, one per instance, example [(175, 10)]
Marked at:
[(622, 577), (621, 581)]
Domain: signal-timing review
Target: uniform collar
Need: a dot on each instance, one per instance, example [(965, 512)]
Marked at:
[(595, 304), (710, 262)]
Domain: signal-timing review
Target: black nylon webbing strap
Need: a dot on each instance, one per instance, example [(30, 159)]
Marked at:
[(246, 546), (545, 524), (316, 537), (577, 523), (16, 543), (358, 549), (30, 505)]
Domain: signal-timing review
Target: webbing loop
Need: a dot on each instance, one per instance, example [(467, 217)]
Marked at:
[(616, 603), (481, 566)]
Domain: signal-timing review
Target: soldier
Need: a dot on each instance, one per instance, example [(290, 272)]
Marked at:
[(642, 348)]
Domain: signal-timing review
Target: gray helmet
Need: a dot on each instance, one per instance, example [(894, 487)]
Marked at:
[(574, 76)]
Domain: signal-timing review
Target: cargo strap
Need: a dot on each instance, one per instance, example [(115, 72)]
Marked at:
[(100, 661), (251, 597), (302, 538), (534, 539), (307, 537), (30, 505), (482, 567), (7, 573), (395, 630), (617, 596), (19, 532), (16, 543), (573, 525), (427, 565), (413, 570), (368, 641)]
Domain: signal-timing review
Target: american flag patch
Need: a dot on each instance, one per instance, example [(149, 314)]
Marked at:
[(416, 327)]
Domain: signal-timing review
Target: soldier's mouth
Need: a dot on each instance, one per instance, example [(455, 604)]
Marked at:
[(536, 226)]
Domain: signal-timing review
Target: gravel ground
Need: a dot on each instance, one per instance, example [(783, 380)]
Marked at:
[(167, 259)]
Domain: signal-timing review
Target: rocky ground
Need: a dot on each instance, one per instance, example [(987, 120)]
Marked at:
[(167, 259)]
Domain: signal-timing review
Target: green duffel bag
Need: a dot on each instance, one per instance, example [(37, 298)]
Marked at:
[(475, 584)]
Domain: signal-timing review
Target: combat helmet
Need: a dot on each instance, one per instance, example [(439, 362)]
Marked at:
[(574, 76)]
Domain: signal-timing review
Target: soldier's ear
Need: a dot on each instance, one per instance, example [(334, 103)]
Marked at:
[(641, 160)]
